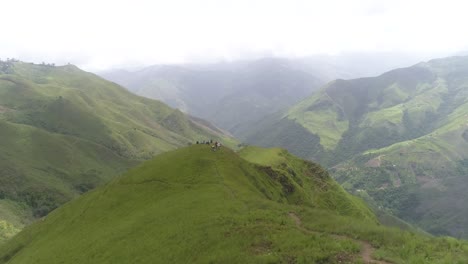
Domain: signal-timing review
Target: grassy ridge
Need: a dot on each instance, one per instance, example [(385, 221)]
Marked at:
[(64, 131), (195, 205), (318, 190)]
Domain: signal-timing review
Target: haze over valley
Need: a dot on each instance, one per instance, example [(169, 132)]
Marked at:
[(233, 132), (235, 95)]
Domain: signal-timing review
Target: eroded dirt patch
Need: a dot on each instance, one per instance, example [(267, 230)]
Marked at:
[(4, 109), (366, 247), (375, 162)]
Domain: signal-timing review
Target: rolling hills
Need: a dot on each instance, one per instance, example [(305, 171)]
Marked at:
[(399, 139), (64, 131), (195, 205)]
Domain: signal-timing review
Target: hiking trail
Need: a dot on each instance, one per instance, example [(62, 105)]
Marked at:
[(366, 247)]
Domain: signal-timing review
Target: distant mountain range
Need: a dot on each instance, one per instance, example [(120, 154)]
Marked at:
[(64, 131), (237, 95), (195, 205), (399, 140)]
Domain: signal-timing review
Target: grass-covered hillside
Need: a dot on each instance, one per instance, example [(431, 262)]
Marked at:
[(195, 205), (400, 138), (64, 131)]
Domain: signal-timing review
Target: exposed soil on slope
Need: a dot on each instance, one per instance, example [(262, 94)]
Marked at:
[(366, 247)]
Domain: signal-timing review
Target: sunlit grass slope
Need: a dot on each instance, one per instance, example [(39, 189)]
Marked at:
[(194, 205), (64, 131)]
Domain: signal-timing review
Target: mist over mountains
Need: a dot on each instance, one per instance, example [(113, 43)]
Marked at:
[(259, 131), (344, 124), (235, 95), (388, 128), (396, 143)]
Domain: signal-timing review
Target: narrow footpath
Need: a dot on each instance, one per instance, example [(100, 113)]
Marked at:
[(366, 247)]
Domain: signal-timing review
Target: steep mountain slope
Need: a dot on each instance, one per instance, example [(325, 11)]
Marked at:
[(236, 95), (194, 205), (64, 131), (402, 137)]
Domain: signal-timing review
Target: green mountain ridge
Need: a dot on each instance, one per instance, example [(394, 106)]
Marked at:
[(401, 137), (64, 131), (195, 205)]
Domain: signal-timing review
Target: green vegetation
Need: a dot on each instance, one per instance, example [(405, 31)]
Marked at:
[(400, 137), (321, 116), (64, 132), (194, 205)]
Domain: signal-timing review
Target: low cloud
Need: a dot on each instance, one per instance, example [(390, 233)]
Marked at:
[(102, 34)]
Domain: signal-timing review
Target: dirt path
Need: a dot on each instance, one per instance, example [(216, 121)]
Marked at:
[(366, 247)]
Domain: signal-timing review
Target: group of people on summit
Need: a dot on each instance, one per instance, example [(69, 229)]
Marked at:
[(214, 145)]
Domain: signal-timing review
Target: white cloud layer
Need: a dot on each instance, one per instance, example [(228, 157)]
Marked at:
[(97, 34)]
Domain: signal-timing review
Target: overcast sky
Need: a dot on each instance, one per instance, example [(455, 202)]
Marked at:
[(98, 34)]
